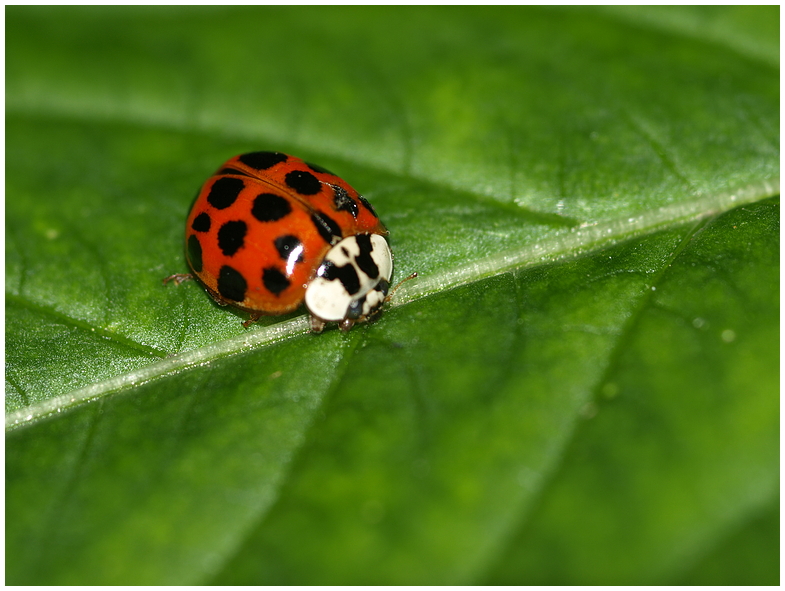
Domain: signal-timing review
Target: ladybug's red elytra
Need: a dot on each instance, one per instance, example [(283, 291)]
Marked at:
[(269, 231)]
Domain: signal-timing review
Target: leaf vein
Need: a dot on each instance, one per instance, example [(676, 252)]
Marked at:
[(65, 319)]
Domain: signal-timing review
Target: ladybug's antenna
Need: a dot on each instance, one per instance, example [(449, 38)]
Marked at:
[(401, 282)]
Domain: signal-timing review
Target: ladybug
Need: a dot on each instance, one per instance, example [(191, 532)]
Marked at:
[(268, 231)]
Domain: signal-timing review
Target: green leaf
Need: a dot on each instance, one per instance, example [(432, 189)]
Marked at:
[(581, 387)]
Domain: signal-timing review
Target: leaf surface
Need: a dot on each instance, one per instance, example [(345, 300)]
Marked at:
[(581, 387)]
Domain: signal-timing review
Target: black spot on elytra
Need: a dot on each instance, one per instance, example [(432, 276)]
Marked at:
[(194, 252), (262, 160), (343, 202), (288, 246), (303, 182), (364, 260), (269, 207), (367, 205), (231, 237), (274, 280), (346, 275), (231, 284), (327, 227), (224, 192), (201, 223)]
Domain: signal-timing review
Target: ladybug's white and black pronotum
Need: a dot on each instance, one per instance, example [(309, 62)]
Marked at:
[(269, 231)]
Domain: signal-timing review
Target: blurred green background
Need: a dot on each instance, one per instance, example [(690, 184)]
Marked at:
[(581, 388)]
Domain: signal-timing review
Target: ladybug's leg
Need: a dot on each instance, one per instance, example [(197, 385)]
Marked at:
[(346, 324), (251, 320), (317, 324), (178, 278)]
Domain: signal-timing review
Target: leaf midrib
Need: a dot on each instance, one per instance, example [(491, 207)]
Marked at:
[(568, 243)]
